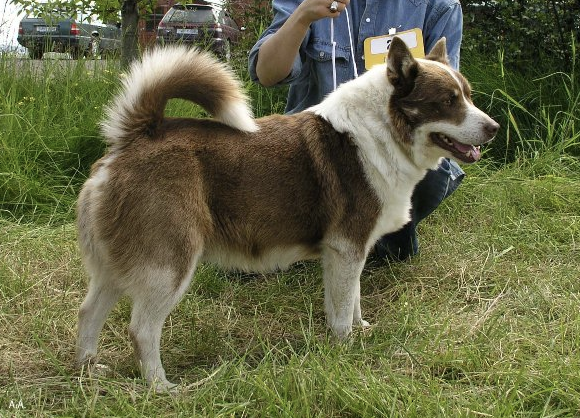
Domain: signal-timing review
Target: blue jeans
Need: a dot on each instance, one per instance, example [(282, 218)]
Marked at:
[(427, 196)]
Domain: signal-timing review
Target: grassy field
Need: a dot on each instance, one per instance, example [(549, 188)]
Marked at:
[(484, 322)]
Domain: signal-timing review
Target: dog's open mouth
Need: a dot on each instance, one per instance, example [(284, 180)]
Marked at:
[(463, 152)]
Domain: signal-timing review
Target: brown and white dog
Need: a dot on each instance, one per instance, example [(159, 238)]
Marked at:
[(257, 194)]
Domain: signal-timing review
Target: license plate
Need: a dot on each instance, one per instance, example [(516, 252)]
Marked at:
[(45, 29), (186, 31)]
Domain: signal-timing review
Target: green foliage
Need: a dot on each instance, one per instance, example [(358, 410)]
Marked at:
[(527, 30), (485, 323), (106, 10)]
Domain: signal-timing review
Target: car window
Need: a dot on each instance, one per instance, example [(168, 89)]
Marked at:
[(200, 15)]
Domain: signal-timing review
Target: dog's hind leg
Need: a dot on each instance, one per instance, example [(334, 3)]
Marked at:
[(100, 299), (153, 300), (342, 267)]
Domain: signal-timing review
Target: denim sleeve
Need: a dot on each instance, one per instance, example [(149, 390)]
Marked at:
[(282, 10), (446, 21)]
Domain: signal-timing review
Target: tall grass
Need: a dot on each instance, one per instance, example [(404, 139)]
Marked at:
[(49, 116), (539, 110), (484, 322), (48, 133)]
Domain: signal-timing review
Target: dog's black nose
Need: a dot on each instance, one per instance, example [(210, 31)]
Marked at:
[(491, 128)]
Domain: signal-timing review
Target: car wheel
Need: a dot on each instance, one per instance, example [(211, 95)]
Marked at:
[(77, 53), (35, 53)]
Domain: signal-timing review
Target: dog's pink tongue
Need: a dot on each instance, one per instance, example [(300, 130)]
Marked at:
[(464, 149)]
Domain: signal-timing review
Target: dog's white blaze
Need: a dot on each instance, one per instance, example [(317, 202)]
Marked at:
[(391, 172), (447, 68)]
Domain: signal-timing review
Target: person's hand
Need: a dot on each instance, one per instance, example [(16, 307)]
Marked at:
[(277, 53), (312, 10)]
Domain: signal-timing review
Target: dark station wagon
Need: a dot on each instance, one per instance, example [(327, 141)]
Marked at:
[(205, 24), (79, 35)]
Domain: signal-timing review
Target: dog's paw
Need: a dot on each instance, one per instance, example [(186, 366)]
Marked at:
[(165, 386), (341, 332), (85, 359), (89, 363), (93, 370), (362, 323)]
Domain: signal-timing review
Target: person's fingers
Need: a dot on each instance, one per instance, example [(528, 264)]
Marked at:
[(335, 7), (313, 10)]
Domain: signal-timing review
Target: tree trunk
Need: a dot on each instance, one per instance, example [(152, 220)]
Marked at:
[(129, 25)]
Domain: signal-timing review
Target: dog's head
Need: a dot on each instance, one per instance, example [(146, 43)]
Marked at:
[(431, 107)]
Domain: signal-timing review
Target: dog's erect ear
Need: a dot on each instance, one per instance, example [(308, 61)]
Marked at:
[(439, 52), (402, 68)]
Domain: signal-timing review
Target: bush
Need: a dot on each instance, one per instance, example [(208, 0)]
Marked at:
[(529, 31)]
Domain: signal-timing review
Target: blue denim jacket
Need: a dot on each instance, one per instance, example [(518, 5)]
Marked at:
[(311, 76)]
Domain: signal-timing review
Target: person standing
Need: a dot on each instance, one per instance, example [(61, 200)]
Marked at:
[(296, 49)]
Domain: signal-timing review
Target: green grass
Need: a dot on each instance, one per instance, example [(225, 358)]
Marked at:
[(49, 139), (484, 322)]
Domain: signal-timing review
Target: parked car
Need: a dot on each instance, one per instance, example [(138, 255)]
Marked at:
[(205, 24), (57, 32)]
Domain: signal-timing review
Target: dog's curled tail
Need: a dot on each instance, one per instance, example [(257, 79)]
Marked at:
[(174, 72)]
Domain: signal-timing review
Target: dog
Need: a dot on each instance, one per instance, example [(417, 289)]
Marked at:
[(257, 194)]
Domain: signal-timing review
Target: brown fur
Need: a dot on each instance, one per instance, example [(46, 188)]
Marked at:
[(177, 169)]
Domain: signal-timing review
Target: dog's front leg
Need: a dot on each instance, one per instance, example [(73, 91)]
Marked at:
[(342, 269), (357, 318)]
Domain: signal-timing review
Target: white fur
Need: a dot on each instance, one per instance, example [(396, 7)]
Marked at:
[(277, 258), (470, 130), (360, 108), (238, 115), (342, 265), (87, 209), (158, 65)]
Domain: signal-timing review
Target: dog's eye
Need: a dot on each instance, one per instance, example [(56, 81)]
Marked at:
[(450, 100)]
